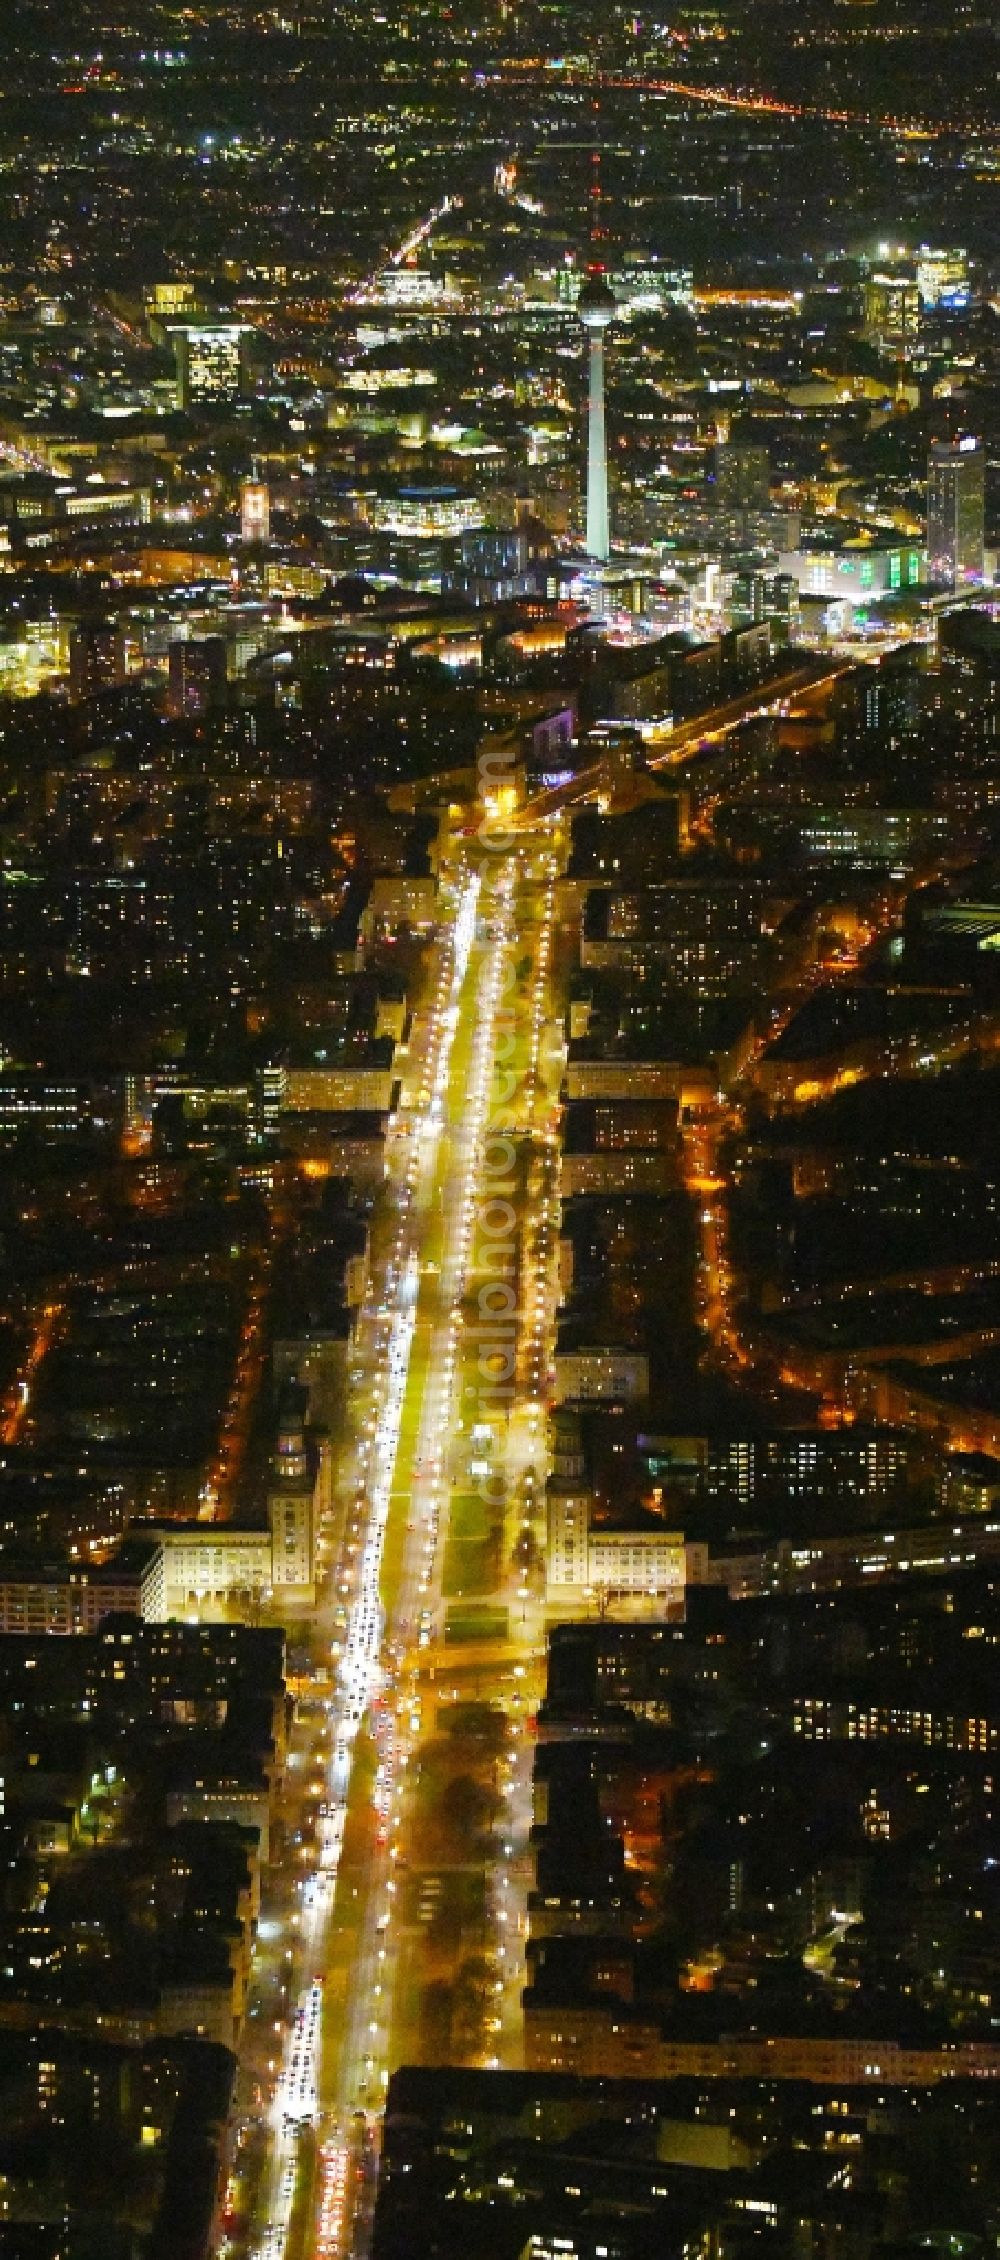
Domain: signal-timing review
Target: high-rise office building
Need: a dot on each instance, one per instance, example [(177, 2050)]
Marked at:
[(255, 510), (956, 480), (96, 659), (742, 476), (892, 309), (597, 308), (943, 278), (757, 594), (197, 675), (211, 362)]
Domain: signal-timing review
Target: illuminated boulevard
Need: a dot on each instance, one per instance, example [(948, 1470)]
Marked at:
[(430, 1603), (398, 1896)]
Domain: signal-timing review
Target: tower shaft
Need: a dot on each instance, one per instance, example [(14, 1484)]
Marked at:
[(598, 537)]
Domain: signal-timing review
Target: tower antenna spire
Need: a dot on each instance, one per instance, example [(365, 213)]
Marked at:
[(595, 264)]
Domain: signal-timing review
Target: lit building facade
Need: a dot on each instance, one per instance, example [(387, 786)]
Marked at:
[(943, 278), (633, 1561), (210, 359), (426, 513), (892, 310), (600, 1374), (956, 512), (293, 1498), (255, 511)]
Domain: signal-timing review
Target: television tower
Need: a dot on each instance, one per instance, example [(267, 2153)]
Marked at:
[(596, 308)]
